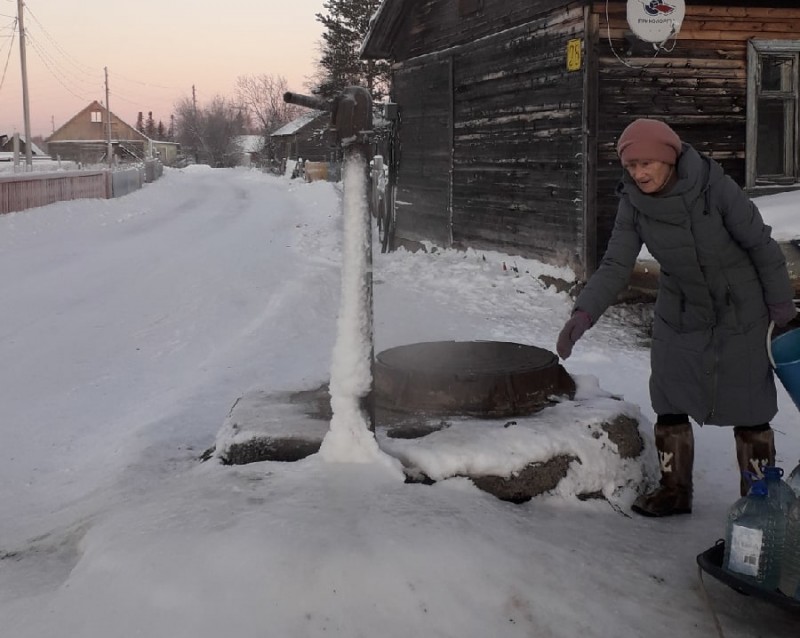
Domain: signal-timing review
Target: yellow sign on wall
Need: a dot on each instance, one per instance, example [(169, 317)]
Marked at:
[(573, 55)]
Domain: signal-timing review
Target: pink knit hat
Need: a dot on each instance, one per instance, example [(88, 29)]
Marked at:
[(645, 139)]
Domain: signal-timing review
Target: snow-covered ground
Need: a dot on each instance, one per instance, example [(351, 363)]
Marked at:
[(129, 328)]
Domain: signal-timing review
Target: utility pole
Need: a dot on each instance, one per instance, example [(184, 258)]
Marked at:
[(110, 151), (26, 110)]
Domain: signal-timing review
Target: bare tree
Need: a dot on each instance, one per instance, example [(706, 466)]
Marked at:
[(224, 121), (188, 128), (209, 133), (263, 97)]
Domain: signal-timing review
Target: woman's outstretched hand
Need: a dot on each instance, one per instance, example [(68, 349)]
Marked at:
[(578, 323)]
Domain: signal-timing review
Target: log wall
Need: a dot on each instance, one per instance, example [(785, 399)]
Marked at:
[(517, 155), (699, 87), (490, 132)]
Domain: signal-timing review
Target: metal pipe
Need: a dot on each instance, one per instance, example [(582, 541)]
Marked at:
[(309, 101)]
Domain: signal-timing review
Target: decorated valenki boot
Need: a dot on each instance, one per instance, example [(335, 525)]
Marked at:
[(755, 449), (675, 445)]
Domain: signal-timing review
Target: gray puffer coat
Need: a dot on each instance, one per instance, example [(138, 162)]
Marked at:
[(720, 268)]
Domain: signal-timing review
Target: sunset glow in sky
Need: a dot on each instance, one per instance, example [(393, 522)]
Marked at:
[(155, 50)]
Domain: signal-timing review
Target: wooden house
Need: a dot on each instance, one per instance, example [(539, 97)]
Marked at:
[(7, 147), (509, 110), (306, 137), (84, 138)]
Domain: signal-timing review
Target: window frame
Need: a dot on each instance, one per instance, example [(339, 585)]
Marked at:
[(757, 50)]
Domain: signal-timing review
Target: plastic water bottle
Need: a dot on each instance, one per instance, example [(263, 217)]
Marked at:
[(754, 538), (778, 490), (789, 582), (794, 480)]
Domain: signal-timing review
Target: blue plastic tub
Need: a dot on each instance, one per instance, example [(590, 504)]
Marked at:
[(784, 353)]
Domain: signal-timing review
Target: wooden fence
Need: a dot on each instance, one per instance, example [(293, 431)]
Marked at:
[(18, 192)]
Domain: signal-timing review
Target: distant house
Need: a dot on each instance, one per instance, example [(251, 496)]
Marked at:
[(510, 111), (84, 138), (306, 137), (7, 148), (251, 149)]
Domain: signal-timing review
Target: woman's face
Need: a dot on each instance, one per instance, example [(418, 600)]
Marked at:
[(650, 175)]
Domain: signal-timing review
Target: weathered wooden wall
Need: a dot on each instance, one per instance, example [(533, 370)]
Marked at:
[(435, 25), (502, 148), (517, 159), (309, 143), (93, 152), (424, 94), (699, 87), (490, 132)]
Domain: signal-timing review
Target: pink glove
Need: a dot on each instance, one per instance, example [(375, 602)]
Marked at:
[(782, 313), (578, 323)]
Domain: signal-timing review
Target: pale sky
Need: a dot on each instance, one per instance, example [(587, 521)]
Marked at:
[(155, 50)]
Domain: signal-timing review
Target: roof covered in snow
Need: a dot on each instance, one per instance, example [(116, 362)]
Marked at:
[(297, 124), (250, 143)]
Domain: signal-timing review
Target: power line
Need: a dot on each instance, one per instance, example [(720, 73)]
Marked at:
[(54, 63), (158, 86), (85, 69), (56, 76), (8, 57), (125, 99)]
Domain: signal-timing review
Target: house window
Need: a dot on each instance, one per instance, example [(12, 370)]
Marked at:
[(97, 116), (467, 7), (773, 124)]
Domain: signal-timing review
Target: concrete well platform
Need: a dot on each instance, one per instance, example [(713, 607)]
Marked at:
[(588, 446)]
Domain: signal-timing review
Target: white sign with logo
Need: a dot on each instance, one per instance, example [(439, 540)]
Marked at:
[(656, 20)]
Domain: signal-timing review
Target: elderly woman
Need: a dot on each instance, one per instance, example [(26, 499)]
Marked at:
[(723, 278)]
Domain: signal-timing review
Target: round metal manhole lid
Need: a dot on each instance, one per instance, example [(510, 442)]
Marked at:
[(467, 357), (481, 378)]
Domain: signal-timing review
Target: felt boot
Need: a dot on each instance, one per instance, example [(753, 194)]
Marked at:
[(755, 449), (675, 445)]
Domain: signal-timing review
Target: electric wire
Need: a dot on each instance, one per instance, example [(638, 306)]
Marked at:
[(11, 27), (56, 76), (8, 57), (56, 59), (118, 96), (88, 70), (158, 86), (53, 62)]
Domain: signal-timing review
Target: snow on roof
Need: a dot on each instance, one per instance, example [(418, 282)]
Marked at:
[(295, 125), (250, 143), (35, 150)]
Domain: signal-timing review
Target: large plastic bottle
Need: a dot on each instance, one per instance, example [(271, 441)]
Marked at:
[(754, 538), (789, 582), (779, 490), (794, 480)]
